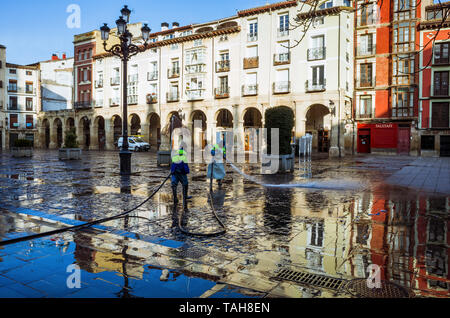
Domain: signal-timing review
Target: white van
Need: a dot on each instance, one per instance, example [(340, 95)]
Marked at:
[(135, 144)]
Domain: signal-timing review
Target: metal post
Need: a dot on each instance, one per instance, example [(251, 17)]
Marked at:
[(125, 154)]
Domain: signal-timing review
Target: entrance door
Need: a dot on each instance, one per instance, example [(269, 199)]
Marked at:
[(12, 139), (445, 146), (364, 141), (403, 140), (1, 141)]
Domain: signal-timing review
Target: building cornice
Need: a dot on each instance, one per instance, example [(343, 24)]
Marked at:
[(270, 7), (323, 12), (434, 24), (25, 67)]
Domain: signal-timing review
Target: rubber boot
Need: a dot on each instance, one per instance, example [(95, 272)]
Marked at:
[(174, 192), (188, 197)]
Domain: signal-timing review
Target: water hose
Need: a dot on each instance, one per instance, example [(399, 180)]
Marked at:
[(223, 231), (83, 226)]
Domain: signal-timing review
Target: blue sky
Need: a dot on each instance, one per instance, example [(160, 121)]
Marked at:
[(33, 30)]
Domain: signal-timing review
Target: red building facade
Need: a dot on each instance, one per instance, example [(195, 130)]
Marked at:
[(434, 115), (386, 80)]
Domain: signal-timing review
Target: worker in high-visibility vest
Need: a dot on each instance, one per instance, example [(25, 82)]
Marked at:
[(180, 170), (216, 170)]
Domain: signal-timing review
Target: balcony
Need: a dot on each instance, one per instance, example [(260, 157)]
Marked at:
[(199, 67), (195, 94), (251, 62), (21, 90), (152, 76), (13, 107), (223, 66), (115, 81), (281, 58), (282, 32), (365, 82), (132, 99), (173, 97), (83, 105), (366, 115), (312, 87), (114, 102), (98, 103), (152, 98), (99, 84), (252, 37), (133, 79), (281, 87), (250, 90), (222, 92), (317, 53), (173, 72), (366, 51)]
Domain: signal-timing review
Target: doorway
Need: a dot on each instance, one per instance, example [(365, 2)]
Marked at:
[(364, 141), (403, 140), (445, 146)]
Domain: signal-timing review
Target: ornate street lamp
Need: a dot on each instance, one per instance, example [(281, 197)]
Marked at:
[(125, 50)]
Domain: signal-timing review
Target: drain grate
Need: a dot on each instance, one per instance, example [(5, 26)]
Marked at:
[(359, 288), (192, 253), (311, 279)]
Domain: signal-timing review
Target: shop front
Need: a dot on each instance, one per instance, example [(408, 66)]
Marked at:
[(384, 138)]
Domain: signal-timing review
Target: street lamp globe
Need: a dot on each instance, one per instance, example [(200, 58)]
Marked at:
[(126, 13), (105, 32), (121, 26), (129, 37), (145, 32)]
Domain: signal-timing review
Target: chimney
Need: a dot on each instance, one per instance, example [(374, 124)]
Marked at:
[(55, 57), (175, 25), (164, 26), (64, 56)]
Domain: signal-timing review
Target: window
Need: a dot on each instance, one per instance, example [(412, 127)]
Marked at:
[(366, 44), (367, 14), (29, 104), (365, 106), (403, 69), (318, 75), (29, 121), (12, 71), (14, 121), (12, 103), (427, 142), (441, 83), (252, 30), (366, 75), (402, 102), (440, 53), (29, 73), (12, 87), (284, 25), (29, 87), (440, 115), (317, 50), (404, 36)]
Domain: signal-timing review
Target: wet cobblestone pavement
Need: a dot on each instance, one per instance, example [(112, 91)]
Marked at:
[(392, 212)]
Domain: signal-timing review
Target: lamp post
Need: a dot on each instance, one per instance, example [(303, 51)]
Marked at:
[(124, 50)]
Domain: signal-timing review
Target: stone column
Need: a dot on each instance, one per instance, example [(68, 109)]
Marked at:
[(93, 133), (53, 135), (109, 132)]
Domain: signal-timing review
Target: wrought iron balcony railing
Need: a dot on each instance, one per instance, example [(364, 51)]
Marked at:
[(319, 86)]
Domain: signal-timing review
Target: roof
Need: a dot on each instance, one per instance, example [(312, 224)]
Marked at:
[(269, 7), (27, 67)]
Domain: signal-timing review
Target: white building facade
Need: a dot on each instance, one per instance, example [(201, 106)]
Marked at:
[(226, 74)]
